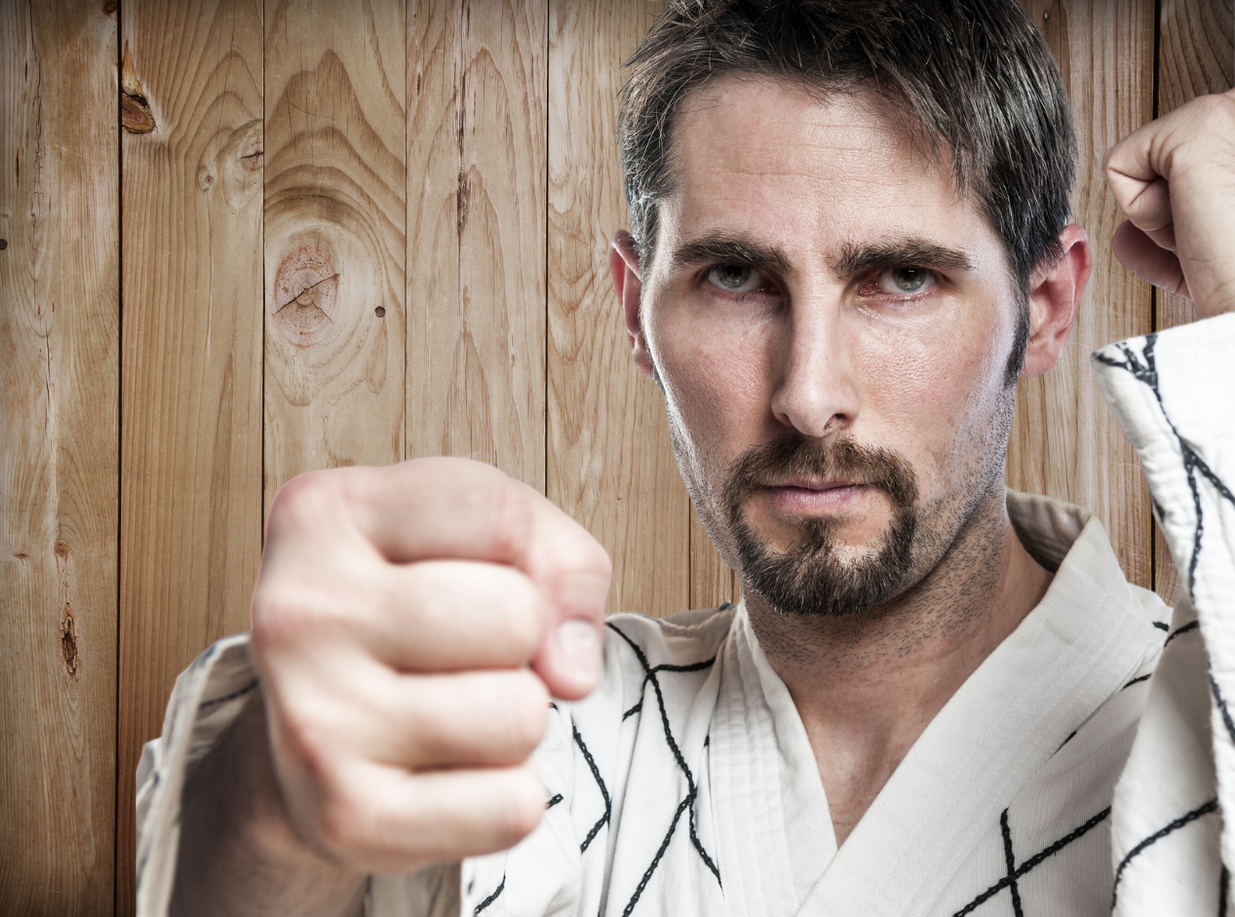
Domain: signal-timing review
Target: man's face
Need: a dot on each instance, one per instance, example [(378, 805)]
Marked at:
[(831, 324)]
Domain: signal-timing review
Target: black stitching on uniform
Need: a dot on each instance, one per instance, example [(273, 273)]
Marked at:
[(1138, 680), (553, 800), (1186, 818), (1190, 626), (1033, 862), (1147, 373), (666, 667), (1162, 625), (1010, 860), (650, 674), (604, 791), (493, 897), (664, 845), (632, 711), (1224, 889), (235, 694), (692, 667)]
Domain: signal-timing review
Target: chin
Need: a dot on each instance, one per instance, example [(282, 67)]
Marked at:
[(820, 574)]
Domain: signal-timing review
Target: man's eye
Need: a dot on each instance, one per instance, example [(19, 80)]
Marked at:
[(900, 281), (736, 278)]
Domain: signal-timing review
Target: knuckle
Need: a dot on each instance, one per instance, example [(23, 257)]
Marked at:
[(306, 495), (523, 616), (512, 514), (302, 739), (526, 711), (287, 614), (522, 806)]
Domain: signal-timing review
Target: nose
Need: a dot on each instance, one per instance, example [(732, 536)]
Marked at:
[(815, 391)]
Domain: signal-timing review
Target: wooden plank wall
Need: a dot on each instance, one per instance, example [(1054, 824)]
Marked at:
[(355, 232)]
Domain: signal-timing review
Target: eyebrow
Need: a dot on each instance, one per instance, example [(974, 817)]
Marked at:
[(723, 249), (854, 259), (911, 252)]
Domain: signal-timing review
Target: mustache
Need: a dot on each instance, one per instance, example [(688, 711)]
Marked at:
[(792, 455)]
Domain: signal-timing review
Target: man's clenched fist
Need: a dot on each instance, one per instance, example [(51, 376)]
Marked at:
[(410, 624)]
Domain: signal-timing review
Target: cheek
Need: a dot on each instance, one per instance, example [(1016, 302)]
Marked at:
[(711, 397), (936, 394)]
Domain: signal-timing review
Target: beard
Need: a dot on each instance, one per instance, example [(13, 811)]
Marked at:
[(810, 578)]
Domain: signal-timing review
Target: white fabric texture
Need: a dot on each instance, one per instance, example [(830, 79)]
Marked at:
[(686, 785)]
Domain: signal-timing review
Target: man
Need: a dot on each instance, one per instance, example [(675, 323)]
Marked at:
[(849, 240)]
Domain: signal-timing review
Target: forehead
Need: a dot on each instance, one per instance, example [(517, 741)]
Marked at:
[(752, 155)]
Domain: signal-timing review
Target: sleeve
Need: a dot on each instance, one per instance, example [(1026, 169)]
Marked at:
[(208, 697), (1174, 395)]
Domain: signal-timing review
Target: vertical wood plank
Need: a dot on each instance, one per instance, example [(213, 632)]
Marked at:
[(59, 397), (335, 224), (476, 244), (1065, 443), (1196, 55), (191, 421), (610, 462)]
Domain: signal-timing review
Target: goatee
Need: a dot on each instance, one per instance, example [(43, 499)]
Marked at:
[(809, 578)]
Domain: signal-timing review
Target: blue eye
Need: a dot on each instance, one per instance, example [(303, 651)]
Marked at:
[(736, 278), (900, 281)]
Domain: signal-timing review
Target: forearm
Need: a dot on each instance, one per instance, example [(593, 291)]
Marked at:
[(238, 856)]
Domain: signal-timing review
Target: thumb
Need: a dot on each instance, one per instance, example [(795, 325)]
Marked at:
[(573, 572)]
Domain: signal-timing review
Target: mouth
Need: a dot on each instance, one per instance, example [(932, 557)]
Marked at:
[(814, 485), (807, 497)]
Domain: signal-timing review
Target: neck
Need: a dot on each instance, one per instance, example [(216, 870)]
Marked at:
[(867, 686)]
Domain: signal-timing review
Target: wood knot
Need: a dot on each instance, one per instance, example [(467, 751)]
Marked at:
[(68, 640), (135, 114), (62, 550), (463, 201), (306, 289), (109, 7)]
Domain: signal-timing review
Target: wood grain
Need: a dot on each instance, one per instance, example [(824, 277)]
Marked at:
[(610, 462), (335, 221), (59, 399), (1065, 442), (476, 240), (1196, 55), (191, 488)]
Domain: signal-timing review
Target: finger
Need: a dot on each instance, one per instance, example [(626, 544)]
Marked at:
[(1139, 190), (431, 509), (1140, 254), (475, 719), (453, 615), (418, 510), (387, 821)]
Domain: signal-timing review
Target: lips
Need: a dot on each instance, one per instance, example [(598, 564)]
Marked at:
[(816, 486), (815, 498)]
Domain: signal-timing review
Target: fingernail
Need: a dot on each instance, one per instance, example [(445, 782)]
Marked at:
[(579, 642)]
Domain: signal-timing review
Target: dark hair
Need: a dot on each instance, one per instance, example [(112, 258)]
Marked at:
[(972, 80)]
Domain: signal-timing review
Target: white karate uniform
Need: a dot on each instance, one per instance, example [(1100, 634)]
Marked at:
[(685, 785)]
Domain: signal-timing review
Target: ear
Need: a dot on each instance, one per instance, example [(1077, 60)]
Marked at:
[(1053, 300), (624, 266)]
